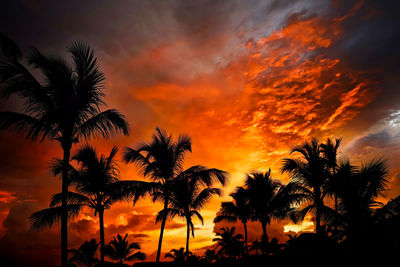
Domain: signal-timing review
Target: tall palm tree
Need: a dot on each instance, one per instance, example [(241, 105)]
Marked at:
[(238, 209), (357, 191), (160, 160), (330, 152), (65, 107), (312, 172), (191, 192), (269, 198), (85, 254), (230, 243), (120, 249)]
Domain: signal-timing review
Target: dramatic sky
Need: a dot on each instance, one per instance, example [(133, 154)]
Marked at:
[(246, 80)]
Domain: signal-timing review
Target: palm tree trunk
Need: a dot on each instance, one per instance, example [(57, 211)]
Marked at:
[(64, 215), (187, 239), (318, 221), (318, 206), (161, 232), (264, 239), (336, 206), (101, 220), (336, 216), (245, 237)]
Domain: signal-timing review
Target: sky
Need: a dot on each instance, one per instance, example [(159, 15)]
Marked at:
[(247, 80)]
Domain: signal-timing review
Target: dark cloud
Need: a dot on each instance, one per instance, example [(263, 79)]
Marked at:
[(21, 246), (185, 65)]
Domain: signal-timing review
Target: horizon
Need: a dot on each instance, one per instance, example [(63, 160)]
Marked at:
[(247, 81)]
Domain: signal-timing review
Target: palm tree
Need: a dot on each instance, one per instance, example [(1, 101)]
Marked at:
[(231, 243), (178, 255), (312, 173), (238, 209), (210, 256), (357, 191), (330, 151), (85, 254), (98, 181), (160, 160), (269, 198), (65, 107), (191, 192), (120, 249), (97, 184)]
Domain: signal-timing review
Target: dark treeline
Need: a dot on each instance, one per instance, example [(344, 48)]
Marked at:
[(65, 105)]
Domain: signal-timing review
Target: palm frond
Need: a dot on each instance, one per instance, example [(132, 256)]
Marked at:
[(51, 216), (204, 196), (72, 198), (24, 124), (137, 256), (104, 124)]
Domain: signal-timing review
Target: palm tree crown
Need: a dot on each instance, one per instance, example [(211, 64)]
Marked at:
[(178, 255), (269, 198), (66, 107), (312, 172), (230, 243), (85, 254), (191, 192), (121, 250)]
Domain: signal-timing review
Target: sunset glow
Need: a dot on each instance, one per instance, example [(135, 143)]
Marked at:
[(246, 81)]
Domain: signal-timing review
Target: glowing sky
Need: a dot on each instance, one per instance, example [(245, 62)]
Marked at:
[(246, 80)]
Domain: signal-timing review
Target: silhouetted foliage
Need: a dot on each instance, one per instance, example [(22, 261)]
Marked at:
[(229, 243), (238, 209), (191, 192), (269, 198), (120, 249), (160, 160), (312, 172), (330, 152), (178, 255), (85, 254), (65, 107)]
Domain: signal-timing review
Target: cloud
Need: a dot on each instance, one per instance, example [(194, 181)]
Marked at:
[(246, 79)]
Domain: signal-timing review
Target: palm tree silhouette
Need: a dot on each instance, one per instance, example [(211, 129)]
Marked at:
[(120, 249), (330, 151), (238, 209), (160, 160), (66, 107), (210, 256), (269, 198), (312, 173), (85, 254), (189, 195), (358, 190), (98, 187), (178, 255), (98, 181), (230, 243)]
